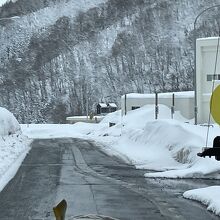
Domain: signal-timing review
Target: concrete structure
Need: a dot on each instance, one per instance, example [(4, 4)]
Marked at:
[(206, 51), (184, 102), (102, 110), (74, 119)]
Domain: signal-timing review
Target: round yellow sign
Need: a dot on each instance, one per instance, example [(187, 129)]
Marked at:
[(215, 104)]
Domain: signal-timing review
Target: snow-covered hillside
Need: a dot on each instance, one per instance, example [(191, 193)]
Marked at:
[(52, 50), (2, 2)]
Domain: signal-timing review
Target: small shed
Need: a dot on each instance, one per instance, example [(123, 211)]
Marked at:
[(112, 107), (102, 108)]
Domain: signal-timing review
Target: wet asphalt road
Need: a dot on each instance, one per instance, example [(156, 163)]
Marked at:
[(93, 182)]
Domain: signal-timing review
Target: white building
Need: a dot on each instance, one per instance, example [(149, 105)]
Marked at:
[(183, 102), (206, 51)]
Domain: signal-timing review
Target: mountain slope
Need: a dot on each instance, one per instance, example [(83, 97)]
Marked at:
[(57, 56)]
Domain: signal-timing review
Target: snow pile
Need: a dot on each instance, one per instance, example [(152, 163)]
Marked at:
[(170, 146), (161, 145), (13, 146), (8, 123), (176, 141), (209, 196)]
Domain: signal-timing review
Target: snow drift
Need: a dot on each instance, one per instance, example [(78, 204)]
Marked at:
[(209, 196), (165, 145), (13, 146), (8, 123)]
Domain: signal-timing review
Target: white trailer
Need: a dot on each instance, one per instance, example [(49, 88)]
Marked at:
[(184, 102)]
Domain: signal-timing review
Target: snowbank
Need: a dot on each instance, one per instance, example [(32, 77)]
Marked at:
[(44, 131), (166, 145), (209, 196), (13, 146), (8, 123)]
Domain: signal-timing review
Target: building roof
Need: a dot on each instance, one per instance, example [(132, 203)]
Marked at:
[(186, 94), (103, 105), (113, 105)]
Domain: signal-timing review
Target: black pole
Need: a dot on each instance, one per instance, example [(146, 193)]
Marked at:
[(156, 106), (125, 104), (173, 104)]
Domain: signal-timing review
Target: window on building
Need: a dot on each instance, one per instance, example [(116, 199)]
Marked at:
[(134, 107), (211, 77)]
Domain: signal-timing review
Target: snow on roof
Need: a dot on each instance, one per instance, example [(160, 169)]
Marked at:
[(207, 38), (187, 94), (103, 105), (113, 105)]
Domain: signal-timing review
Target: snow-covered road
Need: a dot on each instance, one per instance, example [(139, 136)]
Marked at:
[(166, 147)]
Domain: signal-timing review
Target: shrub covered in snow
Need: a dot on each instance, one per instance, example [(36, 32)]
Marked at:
[(13, 146), (8, 123)]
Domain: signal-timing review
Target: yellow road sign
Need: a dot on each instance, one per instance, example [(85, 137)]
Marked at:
[(215, 104)]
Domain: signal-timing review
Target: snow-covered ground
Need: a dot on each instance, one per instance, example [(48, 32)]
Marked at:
[(13, 146), (168, 147)]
